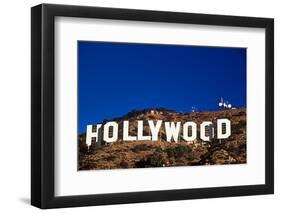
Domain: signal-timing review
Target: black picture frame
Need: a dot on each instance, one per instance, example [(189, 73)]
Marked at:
[(43, 117)]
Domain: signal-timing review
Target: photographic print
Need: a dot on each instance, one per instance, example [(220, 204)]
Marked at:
[(147, 97), (157, 105)]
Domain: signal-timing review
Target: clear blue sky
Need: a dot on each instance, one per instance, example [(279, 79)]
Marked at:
[(115, 78)]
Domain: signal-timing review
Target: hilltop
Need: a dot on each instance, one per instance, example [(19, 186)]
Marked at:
[(140, 154)]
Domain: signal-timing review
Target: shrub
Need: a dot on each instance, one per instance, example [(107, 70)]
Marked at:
[(124, 164), (140, 147), (83, 148), (157, 160), (236, 129), (110, 158), (158, 149), (178, 151)]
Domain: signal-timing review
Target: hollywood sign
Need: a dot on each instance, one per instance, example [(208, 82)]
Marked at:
[(172, 131)]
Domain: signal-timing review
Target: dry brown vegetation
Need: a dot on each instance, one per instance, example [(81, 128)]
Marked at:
[(142, 154)]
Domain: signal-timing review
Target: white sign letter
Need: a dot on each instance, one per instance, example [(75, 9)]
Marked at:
[(90, 134), (126, 136), (193, 135), (141, 137), (106, 135), (211, 131), (227, 132), (172, 130), (154, 129)]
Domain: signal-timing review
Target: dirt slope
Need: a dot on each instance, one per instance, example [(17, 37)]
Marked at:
[(141, 154)]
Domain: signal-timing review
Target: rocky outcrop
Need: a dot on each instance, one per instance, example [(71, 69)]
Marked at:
[(142, 154)]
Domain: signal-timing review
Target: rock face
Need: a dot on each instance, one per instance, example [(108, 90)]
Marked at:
[(143, 154)]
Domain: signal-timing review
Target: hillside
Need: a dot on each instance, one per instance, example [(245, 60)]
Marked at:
[(142, 154)]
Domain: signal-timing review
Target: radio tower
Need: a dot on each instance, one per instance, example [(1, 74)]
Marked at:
[(224, 104)]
